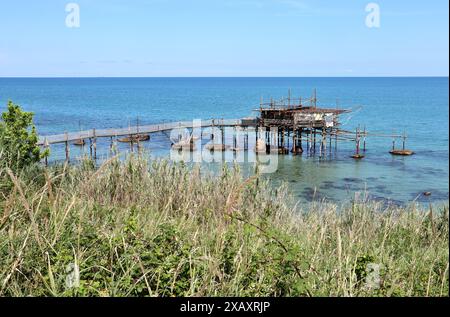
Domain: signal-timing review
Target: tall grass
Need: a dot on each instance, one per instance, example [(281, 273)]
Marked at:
[(139, 228)]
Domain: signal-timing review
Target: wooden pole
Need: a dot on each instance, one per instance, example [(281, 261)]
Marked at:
[(364, 145), (299, 138), (95, 144), (270, 139), (246, 139), (46, 146), (314, 135), (331, 139), (212, 131), (357, 141), (321, 144), (90, 148), (294, 141), (67, 147), (279, 138), (138, 143), (307, 140), (404, 141), (335, 140), (288, 138)]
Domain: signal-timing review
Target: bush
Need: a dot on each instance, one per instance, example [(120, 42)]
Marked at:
[(18, 139)]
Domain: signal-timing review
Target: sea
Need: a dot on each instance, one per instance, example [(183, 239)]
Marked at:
[(416, 106)]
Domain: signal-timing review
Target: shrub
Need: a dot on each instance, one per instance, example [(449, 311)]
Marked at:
[(18, 139)]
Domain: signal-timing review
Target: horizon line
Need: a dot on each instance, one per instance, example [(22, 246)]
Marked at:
[(131, 77)]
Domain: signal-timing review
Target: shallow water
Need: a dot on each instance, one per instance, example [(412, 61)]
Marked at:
[(418, 106)]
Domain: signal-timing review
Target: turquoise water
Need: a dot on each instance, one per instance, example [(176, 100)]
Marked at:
[(418, 106)]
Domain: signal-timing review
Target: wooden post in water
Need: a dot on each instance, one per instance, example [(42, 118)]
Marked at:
[(331, 140), (404, 140), (335, 139), (307, 140), (314, 146), (46, 146), (294, 141), (321, 144), (288, 138), (278, 138), (138, 143), (67, 147), (111, 146), (90, 148), (300, 133), (266, 136), (364, 144), (212, 132), (95, 144), (357, 141), (245, 138)]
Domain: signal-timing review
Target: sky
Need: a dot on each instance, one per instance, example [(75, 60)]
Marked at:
[(202, 38)]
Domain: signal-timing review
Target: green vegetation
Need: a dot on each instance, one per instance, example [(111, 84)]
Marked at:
[(139, 228), (18, 139)]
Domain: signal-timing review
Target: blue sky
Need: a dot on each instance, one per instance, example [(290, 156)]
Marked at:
[(223, 38)]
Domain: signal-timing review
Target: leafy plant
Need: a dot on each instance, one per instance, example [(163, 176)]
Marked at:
[(18, 138)]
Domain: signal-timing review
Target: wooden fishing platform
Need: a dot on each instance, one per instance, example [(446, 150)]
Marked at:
[(288, 125)]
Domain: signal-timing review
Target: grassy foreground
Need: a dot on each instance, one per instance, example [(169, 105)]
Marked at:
[(136, 228)]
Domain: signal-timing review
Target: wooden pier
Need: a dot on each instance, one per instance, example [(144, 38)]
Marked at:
[(141, 130), (288, 125)]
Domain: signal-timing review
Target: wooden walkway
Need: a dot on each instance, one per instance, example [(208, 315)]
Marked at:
[(136, 130), (278, 138)]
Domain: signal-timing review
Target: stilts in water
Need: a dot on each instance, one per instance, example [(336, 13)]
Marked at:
[(403, 151)]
